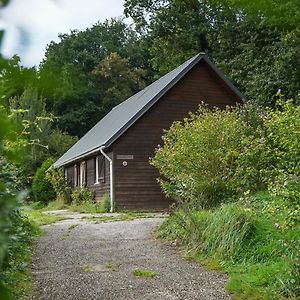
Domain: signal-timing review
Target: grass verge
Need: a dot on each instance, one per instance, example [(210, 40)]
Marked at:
[(255, 241), (16, 275), (24, 228), (37, 216)]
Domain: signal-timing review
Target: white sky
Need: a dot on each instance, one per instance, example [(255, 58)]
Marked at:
[(31, 24)]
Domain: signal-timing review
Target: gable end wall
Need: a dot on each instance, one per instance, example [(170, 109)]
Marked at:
[(136, 186)]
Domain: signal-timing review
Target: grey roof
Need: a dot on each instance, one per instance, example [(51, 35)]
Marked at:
[(122, 116)]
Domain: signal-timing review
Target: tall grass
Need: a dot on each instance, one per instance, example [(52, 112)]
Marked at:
[(244, 241)]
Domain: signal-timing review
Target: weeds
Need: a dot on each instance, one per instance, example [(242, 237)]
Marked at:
[(87, 207), (144, 273), (119, 217), (110, 266)]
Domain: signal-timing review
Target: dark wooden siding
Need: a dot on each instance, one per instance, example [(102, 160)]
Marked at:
[(70, 175), (136, 186), (102, 188)]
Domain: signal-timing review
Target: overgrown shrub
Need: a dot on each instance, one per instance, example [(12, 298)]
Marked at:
[(42, 189), (217, 154), (57, 179), (211, 156), (81, 195), (283, 131)]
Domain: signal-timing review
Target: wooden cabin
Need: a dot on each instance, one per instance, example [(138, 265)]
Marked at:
[(113, 157)]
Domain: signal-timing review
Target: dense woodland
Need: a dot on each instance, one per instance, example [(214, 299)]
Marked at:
[(45, 109)]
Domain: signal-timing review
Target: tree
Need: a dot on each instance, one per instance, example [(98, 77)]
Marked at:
[(117, 80), (285, 14), (34, 123), (259, 57), (70, 75)]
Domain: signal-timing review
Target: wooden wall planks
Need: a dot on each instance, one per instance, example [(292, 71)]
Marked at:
[(136, 184)]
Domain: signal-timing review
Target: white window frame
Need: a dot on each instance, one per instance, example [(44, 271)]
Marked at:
[(97, 170), (99, 179), (75, 175), (82, 174)]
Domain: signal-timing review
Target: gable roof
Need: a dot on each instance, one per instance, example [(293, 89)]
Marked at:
[(122, 116)]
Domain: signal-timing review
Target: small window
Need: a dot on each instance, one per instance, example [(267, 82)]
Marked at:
[(83, 174), (99, 169), (75, 175)]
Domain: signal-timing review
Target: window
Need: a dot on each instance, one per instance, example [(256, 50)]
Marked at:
[(75, 175), (83, 174), (99, 169)]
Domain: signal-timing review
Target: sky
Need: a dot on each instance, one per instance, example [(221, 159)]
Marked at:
[(31, 24)]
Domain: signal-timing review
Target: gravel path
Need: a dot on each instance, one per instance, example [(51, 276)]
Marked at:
[(77, 259)]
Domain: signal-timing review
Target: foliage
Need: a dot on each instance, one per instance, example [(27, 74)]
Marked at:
[(117, 79), (16, 271), (56, 177), (215, 155), (106, 204), (265, 57), (59, 142), (276, 12), (245, 240), (82, 195), (80, 73), (34, 124), (87, 207), (253, 239), (42, 189), (209, 157)]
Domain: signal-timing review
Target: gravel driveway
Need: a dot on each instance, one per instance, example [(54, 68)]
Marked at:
[(77, 259)]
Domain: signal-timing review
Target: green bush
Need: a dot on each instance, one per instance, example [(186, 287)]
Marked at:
[(41, 187), (219, 154), (82, 195), (57, 179), (210, 157)]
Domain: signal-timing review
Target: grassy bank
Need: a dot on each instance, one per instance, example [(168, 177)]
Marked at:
[(24, 228), (16, 275), (255, 241)]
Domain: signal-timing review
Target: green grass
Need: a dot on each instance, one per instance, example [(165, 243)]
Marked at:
[(110, 266), (39, 218), (144, 273), (16, 274), (120, 217), (87, 207), (254, 241), (24, 228)]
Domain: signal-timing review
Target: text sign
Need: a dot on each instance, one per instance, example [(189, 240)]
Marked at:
[(125, 157)]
